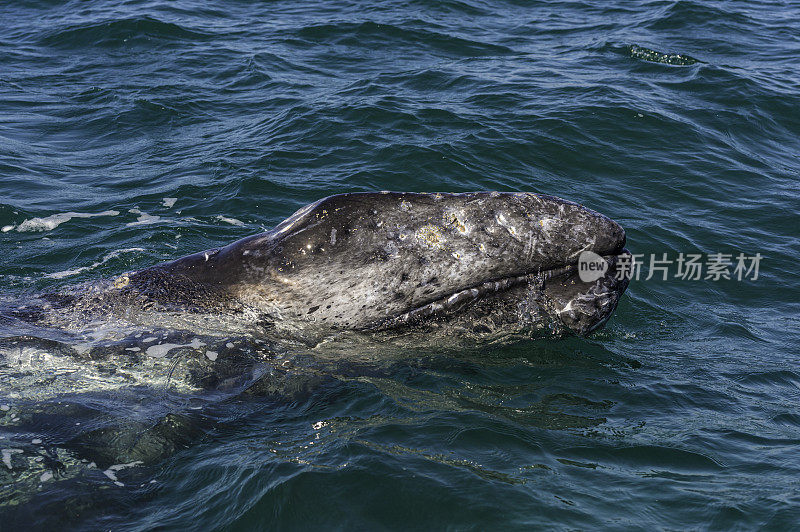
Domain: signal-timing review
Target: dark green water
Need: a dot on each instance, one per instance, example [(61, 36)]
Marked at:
[(182, 126)]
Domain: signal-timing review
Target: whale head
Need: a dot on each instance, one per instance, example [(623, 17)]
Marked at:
[(486, 261)]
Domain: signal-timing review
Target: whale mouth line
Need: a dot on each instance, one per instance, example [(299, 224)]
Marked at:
[(461, 298)]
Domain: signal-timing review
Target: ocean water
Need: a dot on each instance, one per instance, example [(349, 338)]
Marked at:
[(140, 131)]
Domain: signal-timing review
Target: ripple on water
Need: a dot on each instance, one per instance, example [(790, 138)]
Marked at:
[(144, 30)]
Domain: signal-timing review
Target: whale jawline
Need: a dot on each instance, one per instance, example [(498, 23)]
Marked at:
[(461, 299)]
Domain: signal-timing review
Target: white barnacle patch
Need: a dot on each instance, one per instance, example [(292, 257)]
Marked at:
[(286, 280), (547, 224), (405, 206), (391, 249), (503, 222), (333, 237)]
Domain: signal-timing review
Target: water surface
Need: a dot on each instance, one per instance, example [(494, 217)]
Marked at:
[(140, 132)]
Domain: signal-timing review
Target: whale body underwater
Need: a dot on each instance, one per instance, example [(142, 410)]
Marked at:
[(486, 263)]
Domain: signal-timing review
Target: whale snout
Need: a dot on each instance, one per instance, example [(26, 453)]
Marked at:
[(585, 306)]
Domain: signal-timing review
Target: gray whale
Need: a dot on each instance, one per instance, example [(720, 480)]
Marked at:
[(356, 278), (484, 262)]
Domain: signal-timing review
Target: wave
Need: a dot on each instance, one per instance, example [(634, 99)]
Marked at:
[(380, 35), (113, 33), (683, 13)]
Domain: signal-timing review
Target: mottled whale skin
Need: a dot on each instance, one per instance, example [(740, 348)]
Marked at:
[(487, 261)]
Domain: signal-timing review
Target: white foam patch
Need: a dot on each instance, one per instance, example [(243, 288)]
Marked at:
[(6, 454), (168, 202), (48, 223), (82, 347), (69, 273), (547, 224), (143, 219), (232, 221), (212, 355), (66, 273), (111, 472), (160, 350)]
